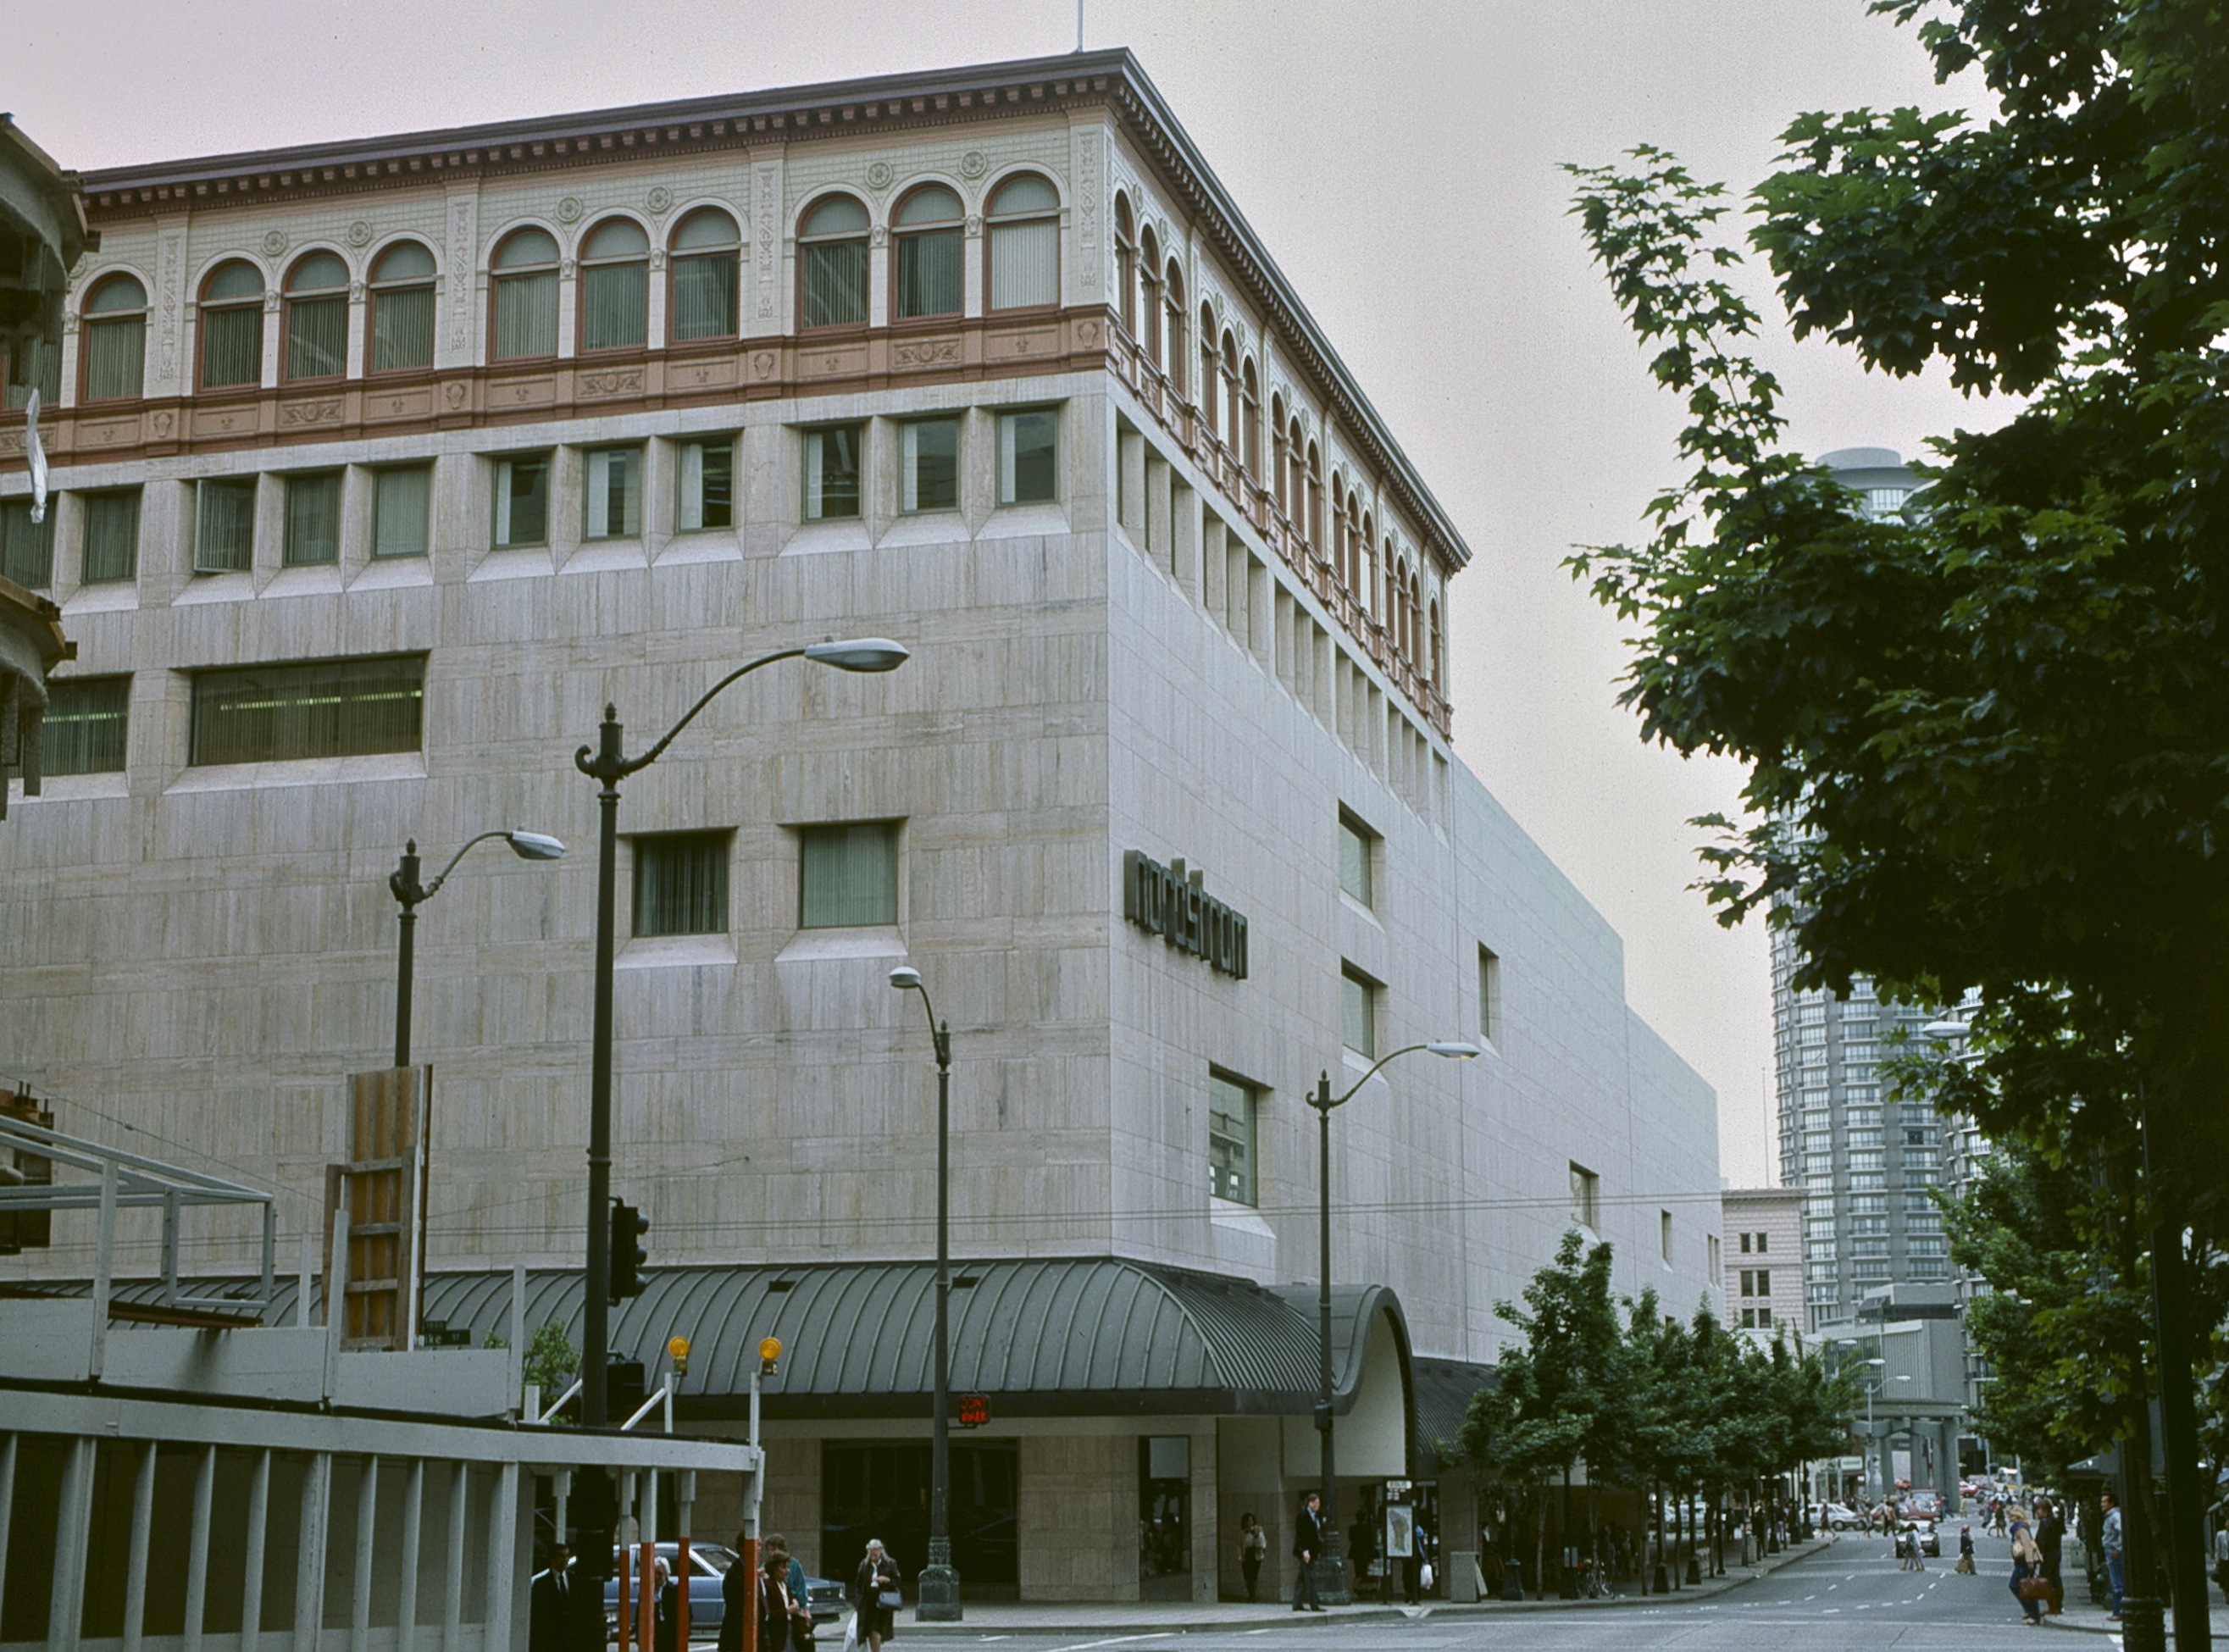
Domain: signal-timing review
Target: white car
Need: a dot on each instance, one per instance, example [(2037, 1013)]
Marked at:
[(1836, 1517)]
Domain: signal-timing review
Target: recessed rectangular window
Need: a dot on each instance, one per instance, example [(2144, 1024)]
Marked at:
[(1489, 995), (313, 520), (401, 511), (1664, 1234), (224, 525), (708, 485), (1356, 844), (847, 876), (832, 470), (1764, 1282), (337, 708), (522, 501), (614, 508), (1028, 471), (1357, 1006), (1230, 1138), (1586, 1197), (681, 882), (929, 471), (1764, 1243), (111, 535), (26, 548), (1744, 1244), (86, 723)]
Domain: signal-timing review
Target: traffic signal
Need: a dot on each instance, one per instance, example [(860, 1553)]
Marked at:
[(628, 1226)]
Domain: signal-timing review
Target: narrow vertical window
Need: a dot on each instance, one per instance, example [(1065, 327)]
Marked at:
[(1357, 849), (1490, 995), (1664, 1235), (1586, 1198), (113, 339), (929, 457), (26, 548), (313, 520), (224, 525), (612, 509), (1230, 1138), (1022, 226), (317, 318), (929, 259), (1357, 998), (708, 485), (707, 265), (403, 308), (832, 471), (1126, 263), (522, 500), (526, 296), (848, 876), (232, 327), (401, 511), (1029, 471), (616, 286), (681, 882), (111, 537), (87, 723), (832, 263), (1172, 296)]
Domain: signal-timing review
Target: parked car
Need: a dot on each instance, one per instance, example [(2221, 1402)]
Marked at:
[(708, 1564), (826, 1600), (1836, 1517), (1923, 1505)]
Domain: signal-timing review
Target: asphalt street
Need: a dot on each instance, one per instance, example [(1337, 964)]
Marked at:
[(1851, 1594)]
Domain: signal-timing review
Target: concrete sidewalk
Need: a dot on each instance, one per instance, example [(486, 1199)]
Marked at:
[(1180, 1616)]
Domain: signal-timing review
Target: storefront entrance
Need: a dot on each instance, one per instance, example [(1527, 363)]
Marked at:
[(880, 1489)]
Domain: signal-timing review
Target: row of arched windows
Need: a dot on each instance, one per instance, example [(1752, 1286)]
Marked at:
[(704, 291), (1226, 392)]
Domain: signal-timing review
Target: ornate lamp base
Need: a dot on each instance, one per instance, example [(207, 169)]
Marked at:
[(936, 1594)]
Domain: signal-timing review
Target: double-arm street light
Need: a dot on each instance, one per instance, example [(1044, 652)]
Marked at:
[(1331, 1578), (937, 1598), (608, 764), (408, 890)]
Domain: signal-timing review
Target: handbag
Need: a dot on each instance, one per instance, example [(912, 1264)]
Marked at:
[(2034, 1586), (889, 1600)]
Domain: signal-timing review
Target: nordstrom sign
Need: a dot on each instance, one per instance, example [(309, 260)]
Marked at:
[(1171, 903)]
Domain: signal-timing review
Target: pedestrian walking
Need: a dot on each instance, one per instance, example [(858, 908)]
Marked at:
[(792, 1576), (665, 1604), (876, 1596), (2117, 1576), (2049, 1537), (2028, 1585), (558, 1607), (1253, 1549), (734, 1602), (1307, 1543), (1965, 1566)]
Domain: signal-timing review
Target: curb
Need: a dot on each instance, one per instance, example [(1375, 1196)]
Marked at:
[(1272, 1615)]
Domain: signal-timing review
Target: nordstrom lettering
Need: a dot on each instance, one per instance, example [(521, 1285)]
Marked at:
[(1167, 902)]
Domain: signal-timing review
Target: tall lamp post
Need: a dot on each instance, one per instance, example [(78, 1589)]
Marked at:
[(937, 1598), (608, 764), (1331, 1577), (410, 893)]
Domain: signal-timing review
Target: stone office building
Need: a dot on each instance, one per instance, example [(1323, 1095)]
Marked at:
[(385, 465)]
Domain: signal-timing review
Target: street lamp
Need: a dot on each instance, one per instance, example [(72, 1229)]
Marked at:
[(403, 882), (1873, 1387), (609, 765), (1332, 1580), (937, 1598)]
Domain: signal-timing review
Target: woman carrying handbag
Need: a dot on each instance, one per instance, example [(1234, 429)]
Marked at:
[(2030, 1587), (875, 1596)]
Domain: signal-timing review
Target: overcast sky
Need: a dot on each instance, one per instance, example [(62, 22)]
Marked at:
[(1399, 161)]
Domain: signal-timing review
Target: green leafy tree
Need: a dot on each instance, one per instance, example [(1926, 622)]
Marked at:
[(552, 1360)]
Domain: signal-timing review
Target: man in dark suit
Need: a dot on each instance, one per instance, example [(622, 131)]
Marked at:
[(557, 1609), (1307, 1544)]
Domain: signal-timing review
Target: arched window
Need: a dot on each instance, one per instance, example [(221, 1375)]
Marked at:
[(1278, 450), (706, 261), (1315, 528), (232, 326), (616, 286), (317, 318), (1125, 264), (113, 339), (1250, 420), (930, 258), (1338, 527), (1173, 291), (1209, 401), (832, 261), (1022, 226), (1149, 296), (526, 296), (1232, 421), (1433, 613), (403, 308)]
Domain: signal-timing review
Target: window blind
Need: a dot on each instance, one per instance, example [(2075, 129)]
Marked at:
[(115, 357), (681, 884), (614, 306), (402, 329), (835, 283), (232, 346), (526, 315), (111, 535), (1024, 263), (26, 548), (929, 273), (704, 296), (345, 708), (85, 724), (848, 877), (313, 520), (402, 502), (224, 528), (317, 337)]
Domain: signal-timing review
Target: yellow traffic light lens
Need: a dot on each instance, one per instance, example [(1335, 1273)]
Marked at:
[(769, 1349), (679, 1348)]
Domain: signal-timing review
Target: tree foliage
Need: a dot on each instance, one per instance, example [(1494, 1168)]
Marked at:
[(1988, 745)]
